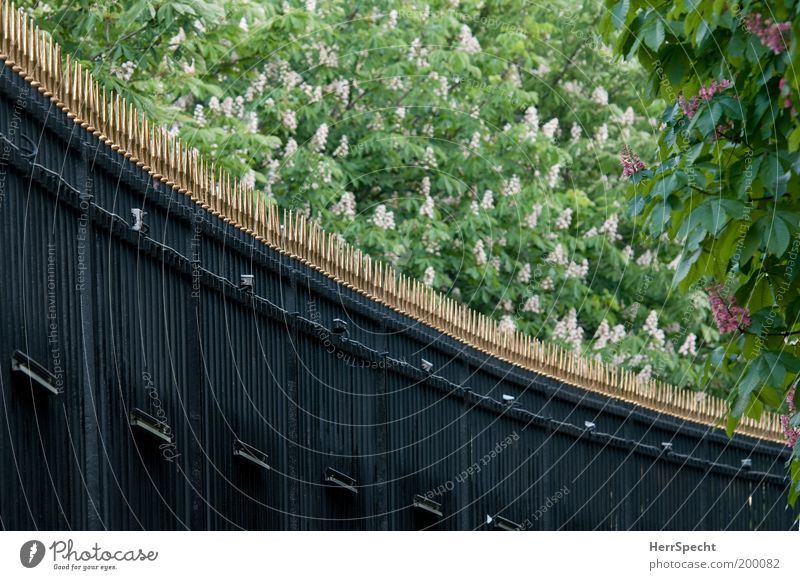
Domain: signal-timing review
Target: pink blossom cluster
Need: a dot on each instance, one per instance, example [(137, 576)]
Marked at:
[(769, 31), (792, 434), (630, 162), (728, 315), (705, 93)]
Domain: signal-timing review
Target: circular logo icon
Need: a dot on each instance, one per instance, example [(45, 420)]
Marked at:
[(31, 553)]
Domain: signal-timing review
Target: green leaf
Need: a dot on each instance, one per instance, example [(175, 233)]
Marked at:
[(684, 266), (620, 12), (755, 373), (653, 32), (779, 237)]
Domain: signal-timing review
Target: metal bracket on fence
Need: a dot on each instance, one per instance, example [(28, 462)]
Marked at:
[(426, 365), (249, 453), (25, 365), (339, 328), (425, 504), (138, 220), (247, 282), (151, 425), (502, 523), (341, 480)]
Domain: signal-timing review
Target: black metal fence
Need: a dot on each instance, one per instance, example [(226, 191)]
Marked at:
[(167, 371)]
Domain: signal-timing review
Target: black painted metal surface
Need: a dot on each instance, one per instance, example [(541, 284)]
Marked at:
[(346, 430)]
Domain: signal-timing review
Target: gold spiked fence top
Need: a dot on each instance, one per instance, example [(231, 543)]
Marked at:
[(32, 54)]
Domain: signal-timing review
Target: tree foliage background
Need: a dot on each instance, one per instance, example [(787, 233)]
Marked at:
[(476, 146), (724, 181)]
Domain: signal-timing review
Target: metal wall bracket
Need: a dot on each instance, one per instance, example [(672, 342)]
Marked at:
[(151, 425), (340, 480), (249, 453), (502, 523), (25, 365), (423, 503)]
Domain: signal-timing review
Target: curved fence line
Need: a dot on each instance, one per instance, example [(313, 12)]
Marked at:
[(32, 53)]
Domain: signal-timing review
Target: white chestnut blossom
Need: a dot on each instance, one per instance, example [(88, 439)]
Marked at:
[(606, 335), (645, 375), (564, 220), (627, 253), (512, 76), (531, 121), (249, 180), (689, 346), (506, 325), (547, 284), (425, 186), (480, 253), (532, 304), (574, 87), (429, 276), (289, 120), (569, 330), (651, 328), (618, 359), (320, 138), (627, 118), (124, 71), (383, 218), (429, 158), (575, 270), (487, 201), (646, 259), (533, 218), (427, 207), (609, 228), (327, 55), (199, 115), (442, 88), (341, 88), (251, 122), (467, 42), (391, 22), (177, 40), (524, 275), (550, 129), (475, 141), (288, 152), (557, 256), (576, 132), (553, 175), (512, 186), (600, 96), (601, 134), (343, 149), (418, 54)]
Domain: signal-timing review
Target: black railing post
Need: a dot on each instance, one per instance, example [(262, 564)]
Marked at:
[(293, 402), (86, 287), (197, 486), (382, 435)]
